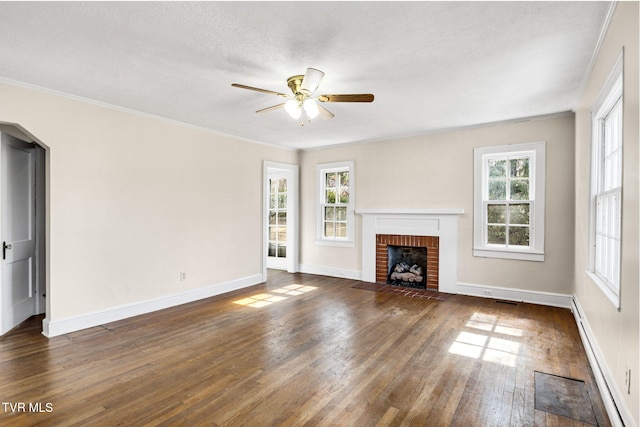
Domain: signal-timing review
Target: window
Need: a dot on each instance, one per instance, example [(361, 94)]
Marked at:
[(335, 207), (509, 201), (606, 187)]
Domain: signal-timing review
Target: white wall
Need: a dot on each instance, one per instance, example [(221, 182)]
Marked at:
[(436, 171), (615, 334), (135, 200)]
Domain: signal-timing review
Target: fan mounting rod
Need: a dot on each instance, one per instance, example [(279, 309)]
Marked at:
[(294, 83)]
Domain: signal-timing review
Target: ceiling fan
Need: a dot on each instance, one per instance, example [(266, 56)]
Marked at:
[(302, 102)]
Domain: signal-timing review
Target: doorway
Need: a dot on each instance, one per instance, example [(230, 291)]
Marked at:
[(280, 236), (22, 227)]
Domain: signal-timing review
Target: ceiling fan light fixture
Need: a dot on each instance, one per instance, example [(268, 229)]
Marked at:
[(311, 80), (302, 103), (292, 107), (310, 108)]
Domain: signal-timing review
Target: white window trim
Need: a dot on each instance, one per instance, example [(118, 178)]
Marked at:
[(322, 169), (537, 187), (611, 92)]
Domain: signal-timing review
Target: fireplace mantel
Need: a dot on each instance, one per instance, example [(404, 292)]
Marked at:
[(410, 211), (417, 222)]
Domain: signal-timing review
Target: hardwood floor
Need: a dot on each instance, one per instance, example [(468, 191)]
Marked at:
[(299, 350)]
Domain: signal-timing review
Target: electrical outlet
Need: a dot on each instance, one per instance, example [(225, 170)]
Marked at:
[(183, 276)]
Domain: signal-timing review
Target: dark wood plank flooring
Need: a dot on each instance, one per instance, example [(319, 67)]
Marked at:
[(299, 350)]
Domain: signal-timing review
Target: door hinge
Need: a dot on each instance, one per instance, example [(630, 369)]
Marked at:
[(5, 246)]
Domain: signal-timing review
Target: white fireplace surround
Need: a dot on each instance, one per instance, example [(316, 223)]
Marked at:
[(442, 223)]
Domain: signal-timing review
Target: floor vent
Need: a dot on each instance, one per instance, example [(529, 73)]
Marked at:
[(567, 397), (499, 301)]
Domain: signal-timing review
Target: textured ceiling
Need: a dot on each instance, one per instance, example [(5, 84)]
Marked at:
[(431, 65)]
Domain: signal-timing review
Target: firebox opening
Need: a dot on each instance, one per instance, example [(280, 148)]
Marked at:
[(407, 266)]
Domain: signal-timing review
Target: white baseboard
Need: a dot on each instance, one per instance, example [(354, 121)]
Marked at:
[(331, 272), (511, 294), (54, 327), (619, 414)]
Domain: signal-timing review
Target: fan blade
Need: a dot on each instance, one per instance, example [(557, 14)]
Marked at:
[(311, 80), (266, 110), (359, 97), (257, 89), (324, 113)]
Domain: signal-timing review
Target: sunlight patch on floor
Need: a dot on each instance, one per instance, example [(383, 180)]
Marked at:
[(265, 299), (294, 289), (483, 344)]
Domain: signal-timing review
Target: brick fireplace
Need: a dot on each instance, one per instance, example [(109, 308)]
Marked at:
[(430, 243), (432, 228)]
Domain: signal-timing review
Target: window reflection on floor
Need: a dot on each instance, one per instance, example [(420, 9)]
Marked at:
[(483, 343), (264, 299)]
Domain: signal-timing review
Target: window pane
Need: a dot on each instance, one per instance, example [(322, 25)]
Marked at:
[(344, 178), (272, 201), (341, 213), (282, 234), (282, 251), (344, 195), (519, 189), (282, 218), (496, 214), (611, 149), (272, 217), (282, 201), (600, 253), (273, 185), (272, 233), (519, 214), (282, 185), (330, 195), (602, 208), (609, 134), (612, 168), (341, 229), (329, 213), (497, 168), (497, 235), (497, 190), (608, 175), (613, 130), (614, 227), (518, 236), (519, 167), (329, 229), (330, 180), (272, 249)]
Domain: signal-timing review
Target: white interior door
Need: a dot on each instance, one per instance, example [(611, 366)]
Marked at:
[(278, 216), (281, 235), (17, 175)]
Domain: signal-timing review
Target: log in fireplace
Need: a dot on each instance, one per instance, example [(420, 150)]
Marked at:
[(407, 266)]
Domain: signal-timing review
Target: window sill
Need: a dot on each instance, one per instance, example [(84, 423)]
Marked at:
[(336, 243), (615, 299), (517, 255)]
